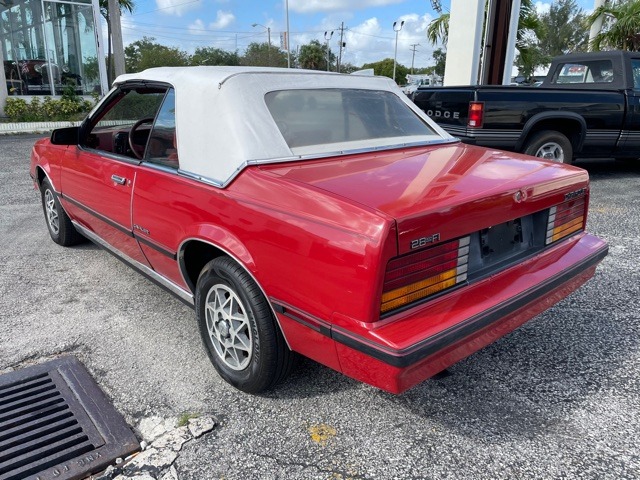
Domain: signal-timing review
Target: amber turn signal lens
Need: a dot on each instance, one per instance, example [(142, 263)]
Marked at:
[(565, 219), (419, 275)]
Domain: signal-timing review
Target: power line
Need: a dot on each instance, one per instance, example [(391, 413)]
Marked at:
[(187, 37), (371, 35), (172, 27), (164, 8)]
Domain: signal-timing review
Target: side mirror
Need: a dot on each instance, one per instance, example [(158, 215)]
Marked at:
[(65, 136)]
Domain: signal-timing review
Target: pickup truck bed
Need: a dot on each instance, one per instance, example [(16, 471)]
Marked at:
[(589, 106)]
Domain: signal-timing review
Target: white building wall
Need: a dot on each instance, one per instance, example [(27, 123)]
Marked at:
[(465, 39)]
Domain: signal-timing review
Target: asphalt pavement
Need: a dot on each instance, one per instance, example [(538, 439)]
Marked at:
[(557, 398)]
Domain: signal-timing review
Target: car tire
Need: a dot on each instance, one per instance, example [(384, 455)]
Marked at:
[(238, 328), (550, 145), (58, 222)]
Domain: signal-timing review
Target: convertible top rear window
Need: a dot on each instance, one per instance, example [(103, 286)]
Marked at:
[(321, 120)]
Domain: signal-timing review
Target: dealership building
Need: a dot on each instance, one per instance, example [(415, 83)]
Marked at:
[(49, 46)]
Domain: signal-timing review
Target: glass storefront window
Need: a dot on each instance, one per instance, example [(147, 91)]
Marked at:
[(48, 46)]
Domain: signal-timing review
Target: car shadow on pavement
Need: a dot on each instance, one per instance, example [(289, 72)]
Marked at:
[(310, 379), (529, 382), (609, 167)]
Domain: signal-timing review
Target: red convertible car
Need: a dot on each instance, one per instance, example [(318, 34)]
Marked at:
[(319, 214)]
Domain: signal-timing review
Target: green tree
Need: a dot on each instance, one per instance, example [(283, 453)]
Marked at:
[(263, 54), (526, 41), (125, 5), (440, 58), (529, 55), (385, 68), (346, 67), (214, 56), (145, 53), (620, 27), (562, 30), (313, 56)]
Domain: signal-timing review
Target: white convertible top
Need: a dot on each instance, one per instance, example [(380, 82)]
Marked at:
[(222, 120)]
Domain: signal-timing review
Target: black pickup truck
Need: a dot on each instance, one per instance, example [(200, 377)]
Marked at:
[(587, 106)]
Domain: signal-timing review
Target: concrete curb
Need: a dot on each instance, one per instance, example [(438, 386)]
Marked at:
[(34, 127)]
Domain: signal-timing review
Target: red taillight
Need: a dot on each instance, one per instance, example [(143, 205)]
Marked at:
[(476, 114), (425, 273), (565, 219)]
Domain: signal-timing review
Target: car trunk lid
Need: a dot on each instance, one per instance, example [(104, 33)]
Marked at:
[(442, 192)]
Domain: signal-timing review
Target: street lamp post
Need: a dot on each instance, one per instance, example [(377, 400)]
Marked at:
[(327, 37), (395, 53), (269, 40)]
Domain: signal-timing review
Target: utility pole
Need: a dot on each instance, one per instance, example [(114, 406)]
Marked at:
[(413, 56), (286, 6), (342, 44), (327, 37), (116, 37)]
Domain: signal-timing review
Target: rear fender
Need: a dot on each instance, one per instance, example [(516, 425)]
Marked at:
[(222, 241), (574, 124)]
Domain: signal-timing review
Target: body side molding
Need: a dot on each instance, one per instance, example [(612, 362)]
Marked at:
[(155, 277)]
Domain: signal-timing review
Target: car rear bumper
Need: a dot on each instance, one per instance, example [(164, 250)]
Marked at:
[(411, 347)]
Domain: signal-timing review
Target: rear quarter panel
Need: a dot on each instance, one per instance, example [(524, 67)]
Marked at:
[(305, 247)]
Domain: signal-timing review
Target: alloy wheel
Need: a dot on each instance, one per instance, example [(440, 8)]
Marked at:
[(228, 326), (551, 151), (52, 212)]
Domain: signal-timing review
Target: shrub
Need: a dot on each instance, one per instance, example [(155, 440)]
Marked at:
[(16, 108), (68, 108)]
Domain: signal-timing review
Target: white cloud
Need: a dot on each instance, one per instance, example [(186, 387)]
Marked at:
[(130, 31), (366, 37), (176, 7), (371, 42), (313, 6), (223, 20), (197, 28), (542, 7)]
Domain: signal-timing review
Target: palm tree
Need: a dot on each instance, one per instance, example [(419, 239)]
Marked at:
[(127, 5), (528, 50), (438, 32), (438, 29), (621, 26)]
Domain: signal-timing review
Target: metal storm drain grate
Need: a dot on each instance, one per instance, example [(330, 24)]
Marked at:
[(55, 423)]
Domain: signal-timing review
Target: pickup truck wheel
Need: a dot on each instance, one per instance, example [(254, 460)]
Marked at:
[(238, 329), (550, 145), (59, 224)]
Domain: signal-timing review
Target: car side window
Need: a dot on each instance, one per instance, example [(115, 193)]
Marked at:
[(162, 147), (635, 69), (123, 126), (597, 71)]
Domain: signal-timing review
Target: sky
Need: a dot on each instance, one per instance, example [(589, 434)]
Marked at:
[(227, 24)]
